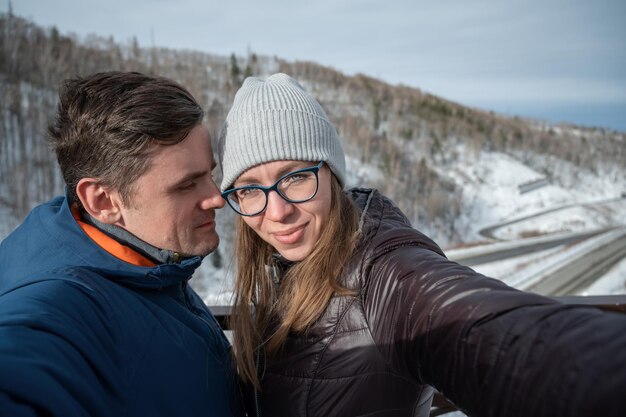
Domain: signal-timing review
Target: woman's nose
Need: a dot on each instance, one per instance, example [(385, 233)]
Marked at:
[(277, 207)]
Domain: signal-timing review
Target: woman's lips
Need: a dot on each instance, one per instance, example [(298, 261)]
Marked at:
[(290, 236)]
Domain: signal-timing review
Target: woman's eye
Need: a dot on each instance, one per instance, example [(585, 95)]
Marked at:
[(241, 193), (246, 192), (295, 178)]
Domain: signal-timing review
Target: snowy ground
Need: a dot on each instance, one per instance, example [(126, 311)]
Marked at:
[(491, 189), (490, 184)]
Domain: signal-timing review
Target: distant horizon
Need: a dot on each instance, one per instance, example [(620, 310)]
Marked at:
[(550, 60), (608, 116)]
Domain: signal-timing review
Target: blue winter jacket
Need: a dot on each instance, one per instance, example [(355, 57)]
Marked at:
[(83, 333)]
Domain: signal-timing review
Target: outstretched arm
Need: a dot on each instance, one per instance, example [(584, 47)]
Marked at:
[(493, 350)]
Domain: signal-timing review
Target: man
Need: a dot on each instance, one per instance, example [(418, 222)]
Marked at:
[(96, 317)]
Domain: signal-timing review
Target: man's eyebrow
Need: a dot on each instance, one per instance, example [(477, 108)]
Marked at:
[(189, 177)]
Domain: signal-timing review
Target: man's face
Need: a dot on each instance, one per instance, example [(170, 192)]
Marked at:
[(173, 203)]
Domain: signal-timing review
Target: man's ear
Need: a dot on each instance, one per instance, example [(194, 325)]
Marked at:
[(99, 201)]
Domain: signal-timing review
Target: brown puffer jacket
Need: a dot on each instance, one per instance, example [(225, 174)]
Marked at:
[(420, 320)]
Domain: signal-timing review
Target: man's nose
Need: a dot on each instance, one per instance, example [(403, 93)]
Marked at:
[(212, 198)]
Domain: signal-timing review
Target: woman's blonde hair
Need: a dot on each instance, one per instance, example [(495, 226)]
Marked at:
[(263, 315)]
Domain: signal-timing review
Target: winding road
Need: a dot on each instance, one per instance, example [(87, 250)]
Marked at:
[(597, 251)]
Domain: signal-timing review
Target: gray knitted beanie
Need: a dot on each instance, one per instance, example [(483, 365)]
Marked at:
[(276, 120)]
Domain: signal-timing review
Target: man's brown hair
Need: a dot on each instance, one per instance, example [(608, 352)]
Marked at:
[(108, 123)]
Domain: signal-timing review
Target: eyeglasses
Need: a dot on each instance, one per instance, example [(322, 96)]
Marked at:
[(295, 187)]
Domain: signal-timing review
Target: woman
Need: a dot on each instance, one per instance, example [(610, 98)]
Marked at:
[(343, 309)]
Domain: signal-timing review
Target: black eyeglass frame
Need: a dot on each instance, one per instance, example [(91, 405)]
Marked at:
[(266, 190)]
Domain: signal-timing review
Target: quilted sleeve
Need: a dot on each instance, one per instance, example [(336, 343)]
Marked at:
[(490, 349)]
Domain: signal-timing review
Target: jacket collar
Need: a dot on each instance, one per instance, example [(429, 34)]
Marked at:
[(147, 254), (81, 250), (382, 224)]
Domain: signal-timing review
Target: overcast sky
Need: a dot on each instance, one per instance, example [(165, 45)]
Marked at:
[(552, 59)]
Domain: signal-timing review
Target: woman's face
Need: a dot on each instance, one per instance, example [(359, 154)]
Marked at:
[(293, 229)]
